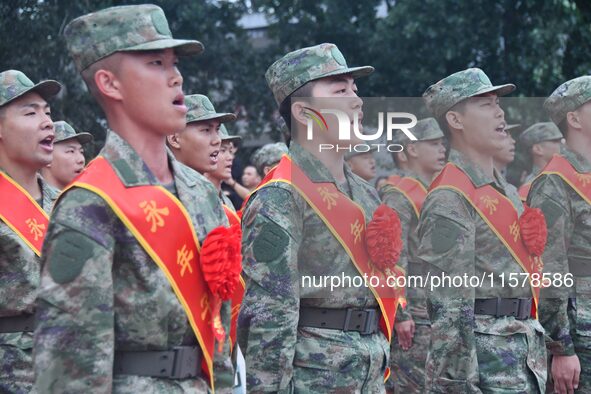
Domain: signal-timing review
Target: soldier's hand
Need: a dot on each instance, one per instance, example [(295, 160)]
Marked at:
[(565, 372), (404, 332)]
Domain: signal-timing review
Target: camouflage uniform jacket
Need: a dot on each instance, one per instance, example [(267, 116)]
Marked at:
[(468, 352), (568, 218), (283, 240), (101, 292), (532, 175), (19, 279), (416, 308)]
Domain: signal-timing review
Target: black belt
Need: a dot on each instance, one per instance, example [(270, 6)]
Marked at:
[(20, 323), (520, 308), (183, 362), (364, 321)]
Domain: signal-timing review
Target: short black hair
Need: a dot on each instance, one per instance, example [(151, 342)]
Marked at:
[(285, 106)]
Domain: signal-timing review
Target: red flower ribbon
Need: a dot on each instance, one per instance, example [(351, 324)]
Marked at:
[(383, 238), (221, 263), (533, 230)]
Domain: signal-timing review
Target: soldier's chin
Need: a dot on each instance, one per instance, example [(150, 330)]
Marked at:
[(44, 161)]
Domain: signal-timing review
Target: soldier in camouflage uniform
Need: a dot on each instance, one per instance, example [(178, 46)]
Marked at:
[(481, 338), (26, 138), (68, 155), (223, 173), (540, 142), (267, 157), (505, 156), (198, 145), (565, 312), (363, 164), (285, 239), (108, 318), (421, 161)]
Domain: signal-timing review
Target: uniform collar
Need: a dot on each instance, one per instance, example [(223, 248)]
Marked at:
[(477, 176), (315, 169), (132, 170), (413, 175), (580, 164)]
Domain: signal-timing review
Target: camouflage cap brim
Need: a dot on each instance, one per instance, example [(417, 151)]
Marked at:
[(46, 89), (355, 72), (222, 117), (443, 95), (232, 138), (350, 155), (500, 90), (181, 47), (82, 138)]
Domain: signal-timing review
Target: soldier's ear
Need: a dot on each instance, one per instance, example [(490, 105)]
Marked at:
[(573, 121), (536, 150), (454, 120), (411, 151), (401, 156), (298, 113), (173, 141), (108, 84)]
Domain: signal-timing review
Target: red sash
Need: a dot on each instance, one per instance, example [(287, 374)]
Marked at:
[(346, 221), (22, 214), (524, 191), (161, 224), (234, 219), (413, 190), (580, 182), (488, 202), (393, 179)]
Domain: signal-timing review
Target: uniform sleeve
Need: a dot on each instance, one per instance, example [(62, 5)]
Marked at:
[(395, 200), (74, 336), (447, 247), (223, 366), (222, 363), (210, 215), (268, 320), (548, 194)]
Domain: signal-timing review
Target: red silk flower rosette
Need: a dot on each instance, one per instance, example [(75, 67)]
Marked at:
[(221, 264), (533, 230), (383, 238), (221, 260)]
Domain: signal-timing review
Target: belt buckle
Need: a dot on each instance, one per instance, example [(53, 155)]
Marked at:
[(186, 364), (370, 322)]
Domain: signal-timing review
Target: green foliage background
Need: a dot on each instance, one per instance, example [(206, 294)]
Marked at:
[(534, 44)]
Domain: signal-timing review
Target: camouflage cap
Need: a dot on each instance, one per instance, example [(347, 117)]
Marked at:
[(200, 108), (568, 97), (97, 35), (443, 95), (14, 84), (425, 130), (299, 67), (349, 155), (267, 155), (225, 136), (64, 132), (538, 132)]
